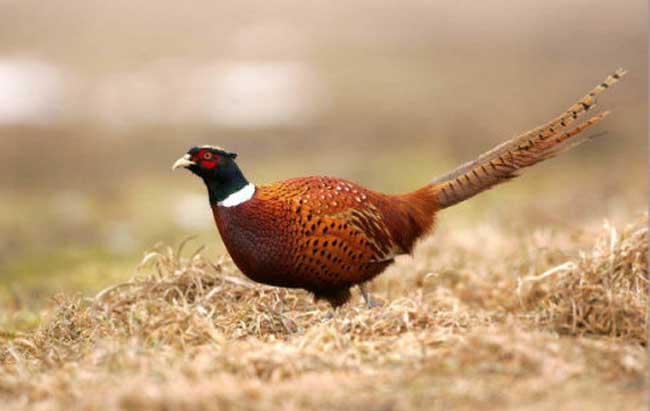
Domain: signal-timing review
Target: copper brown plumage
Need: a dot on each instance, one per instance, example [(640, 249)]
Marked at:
[(321, 233), (326, 234)]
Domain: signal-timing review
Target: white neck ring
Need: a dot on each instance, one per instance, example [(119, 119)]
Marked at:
[(238, 197)]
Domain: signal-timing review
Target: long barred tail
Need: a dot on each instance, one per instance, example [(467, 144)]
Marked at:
[(502, 162)]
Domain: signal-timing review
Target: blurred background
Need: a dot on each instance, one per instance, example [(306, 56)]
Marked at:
[(97, 99)]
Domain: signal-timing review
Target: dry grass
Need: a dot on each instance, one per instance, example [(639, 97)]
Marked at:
[(474, 326), (602, 292)]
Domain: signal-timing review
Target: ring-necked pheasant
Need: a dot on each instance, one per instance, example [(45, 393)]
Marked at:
[(326, 234)]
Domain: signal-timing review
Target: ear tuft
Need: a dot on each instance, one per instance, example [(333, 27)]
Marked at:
[(231, 155)]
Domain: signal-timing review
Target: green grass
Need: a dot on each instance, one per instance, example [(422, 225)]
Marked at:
[(74, 269)]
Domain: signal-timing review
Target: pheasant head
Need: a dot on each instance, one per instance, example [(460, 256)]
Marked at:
[(218, 170)]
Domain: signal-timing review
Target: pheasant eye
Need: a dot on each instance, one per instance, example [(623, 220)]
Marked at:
[(207, 155)]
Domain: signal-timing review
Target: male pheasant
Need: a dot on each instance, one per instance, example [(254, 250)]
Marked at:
[(326, 234)]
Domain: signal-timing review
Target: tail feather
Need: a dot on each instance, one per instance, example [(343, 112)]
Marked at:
[(502, 162)]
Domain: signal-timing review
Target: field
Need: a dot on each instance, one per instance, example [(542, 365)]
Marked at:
[(497, 319), (116, 292)]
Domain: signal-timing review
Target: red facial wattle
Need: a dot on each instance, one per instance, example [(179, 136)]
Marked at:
[(206, 159), (208, 164)]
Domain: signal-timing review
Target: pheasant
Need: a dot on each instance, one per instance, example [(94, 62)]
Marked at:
[(327, 234)]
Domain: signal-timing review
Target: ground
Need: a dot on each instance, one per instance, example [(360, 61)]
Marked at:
[(499, 318)]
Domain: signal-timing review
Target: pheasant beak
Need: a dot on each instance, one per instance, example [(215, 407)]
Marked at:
[(183, 162)]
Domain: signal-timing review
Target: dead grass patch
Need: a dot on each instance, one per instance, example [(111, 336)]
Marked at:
[(602, 292), (484, 330)]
